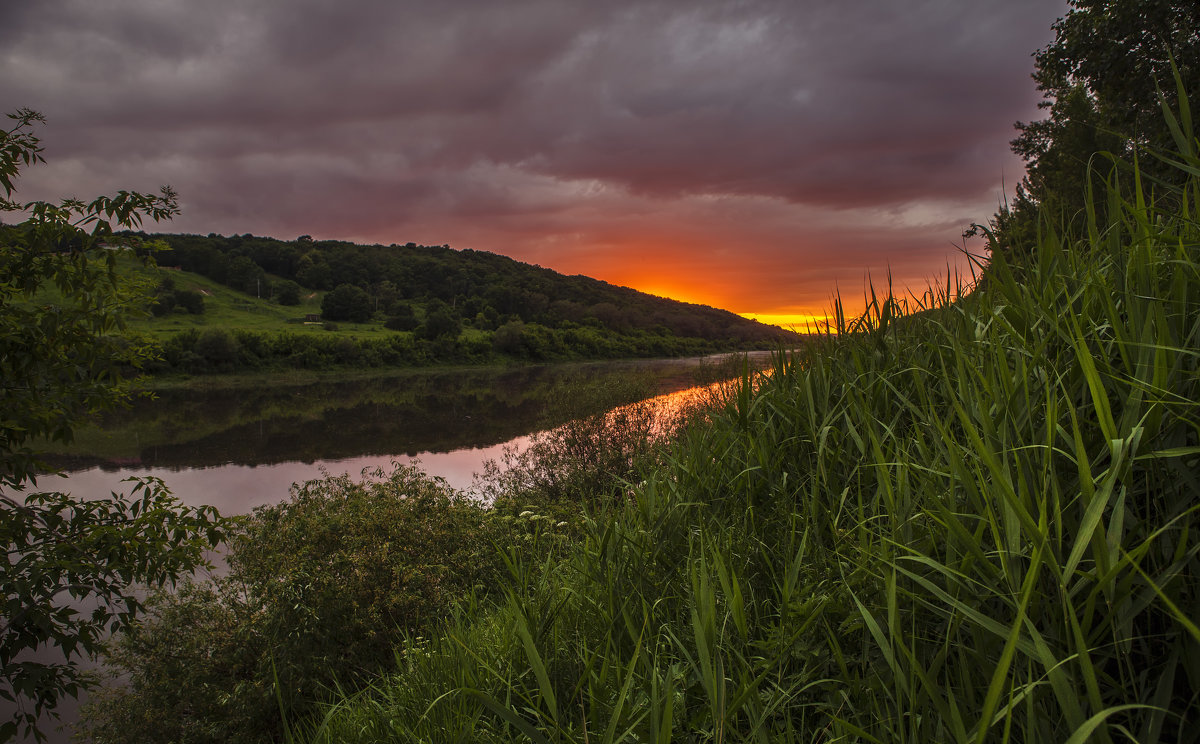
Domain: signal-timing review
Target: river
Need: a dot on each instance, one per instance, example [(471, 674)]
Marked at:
[(236, 448)]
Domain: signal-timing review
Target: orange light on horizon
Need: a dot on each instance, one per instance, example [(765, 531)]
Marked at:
[(798, 322), (801, 322), (684, 284), (672, 293)]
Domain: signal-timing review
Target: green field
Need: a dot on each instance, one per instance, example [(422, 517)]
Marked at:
[(230, 309)]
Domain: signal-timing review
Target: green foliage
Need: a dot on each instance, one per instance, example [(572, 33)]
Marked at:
[(287, 292), (346, 302), (319, 590), (64, 550), (245, 275), (441, 322), (402, 318), (190, 301), (217, 348), (63, 305), (1103, 77), (510, 339), (168, 299)]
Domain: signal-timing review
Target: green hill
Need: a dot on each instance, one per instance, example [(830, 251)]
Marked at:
[(243, 302)]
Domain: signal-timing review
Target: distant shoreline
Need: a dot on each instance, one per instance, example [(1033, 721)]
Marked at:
[(150, 383)]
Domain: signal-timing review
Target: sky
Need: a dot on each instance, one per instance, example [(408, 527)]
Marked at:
[(754, 155)]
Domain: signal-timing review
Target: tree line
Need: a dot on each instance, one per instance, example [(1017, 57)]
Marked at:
[(220, 350)]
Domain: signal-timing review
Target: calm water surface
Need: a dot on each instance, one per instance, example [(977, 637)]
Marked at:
[(238, 448)]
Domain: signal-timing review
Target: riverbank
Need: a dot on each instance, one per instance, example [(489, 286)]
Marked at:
[(296, 377), (977, 526), (903, 538), (219, 350)]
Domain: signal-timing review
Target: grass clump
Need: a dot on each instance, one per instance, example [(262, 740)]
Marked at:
[(979, 525)]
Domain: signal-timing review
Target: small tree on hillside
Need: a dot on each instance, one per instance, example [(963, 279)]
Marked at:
[(440, 322), (346, 302), (287, 293)]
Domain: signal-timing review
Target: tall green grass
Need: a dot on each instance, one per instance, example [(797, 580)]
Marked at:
[(976, 525)]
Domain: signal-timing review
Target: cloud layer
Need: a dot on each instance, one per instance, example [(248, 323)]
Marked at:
[(753, 155)]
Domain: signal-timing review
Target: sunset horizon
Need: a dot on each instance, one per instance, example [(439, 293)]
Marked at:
[(759, 158)]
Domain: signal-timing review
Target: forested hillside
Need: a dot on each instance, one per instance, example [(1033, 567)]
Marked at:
[(407, 304)]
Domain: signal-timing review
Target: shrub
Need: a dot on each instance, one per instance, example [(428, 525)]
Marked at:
[(346, 302), (190, 300), (217, 348), (287, 292), (402, 318), (319, 590), (440, 323), (509, 338)]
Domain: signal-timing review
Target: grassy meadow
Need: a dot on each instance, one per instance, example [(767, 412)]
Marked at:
[(229, 309), (965, 517)]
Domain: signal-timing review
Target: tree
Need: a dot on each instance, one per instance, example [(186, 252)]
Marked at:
[(346, 302), (246, 276), (63, 356), (386, 294), (402, 318), (313, 271), (288, 293), (440, 322), (1103, 78), (510, 338), (218, 348), (190, 300)]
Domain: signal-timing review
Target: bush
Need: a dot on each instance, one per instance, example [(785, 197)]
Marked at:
[(402, 318), (190, 300), (509, 338), (218, 348), (440, 323), (319, 590), (287, 292), (346, 302)]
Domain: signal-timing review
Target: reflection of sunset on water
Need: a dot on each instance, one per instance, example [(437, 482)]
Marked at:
[(670, 409)]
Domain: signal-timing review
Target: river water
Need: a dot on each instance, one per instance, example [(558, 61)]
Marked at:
[(236, 448)]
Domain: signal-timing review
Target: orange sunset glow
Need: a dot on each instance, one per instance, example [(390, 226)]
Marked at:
[(759, 157)]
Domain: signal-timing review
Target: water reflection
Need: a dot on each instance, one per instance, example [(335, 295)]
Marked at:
[(238, 448)]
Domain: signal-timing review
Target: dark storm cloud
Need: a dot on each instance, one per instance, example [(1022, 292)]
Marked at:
[(532, 127)]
